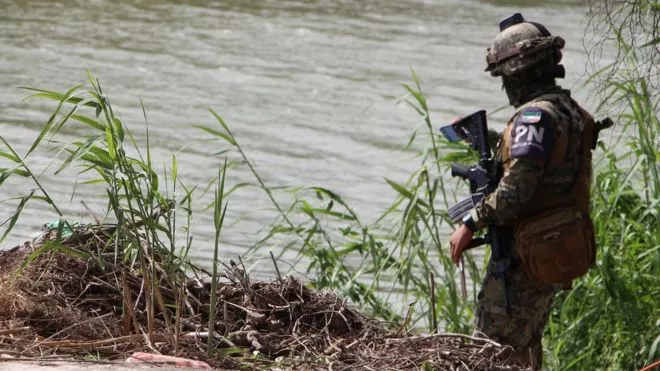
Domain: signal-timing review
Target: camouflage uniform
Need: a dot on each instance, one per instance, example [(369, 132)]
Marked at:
[(541, 152), (527, 176)]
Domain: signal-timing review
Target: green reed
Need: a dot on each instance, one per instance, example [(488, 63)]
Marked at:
[(219, 212), (143, 209), (397, 256), (611, 318)]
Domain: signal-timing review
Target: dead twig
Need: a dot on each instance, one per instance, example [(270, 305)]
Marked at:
[(14, 331), (96, 343)]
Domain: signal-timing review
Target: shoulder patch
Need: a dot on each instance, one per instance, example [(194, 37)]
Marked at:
[(532, 134)]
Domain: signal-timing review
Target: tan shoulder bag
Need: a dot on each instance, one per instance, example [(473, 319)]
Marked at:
[(556, 246)]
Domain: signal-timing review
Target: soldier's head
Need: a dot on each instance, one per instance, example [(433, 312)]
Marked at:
[(527, 58)]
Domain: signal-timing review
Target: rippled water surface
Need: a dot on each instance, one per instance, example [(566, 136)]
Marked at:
[(309, 87)]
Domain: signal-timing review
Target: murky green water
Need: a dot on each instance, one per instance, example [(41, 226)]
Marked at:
[(309, 87)]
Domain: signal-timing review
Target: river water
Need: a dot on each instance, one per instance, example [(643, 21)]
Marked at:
[(310, 88)]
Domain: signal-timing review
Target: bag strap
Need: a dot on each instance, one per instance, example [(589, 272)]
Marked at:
[(558, 157), (586, 138)]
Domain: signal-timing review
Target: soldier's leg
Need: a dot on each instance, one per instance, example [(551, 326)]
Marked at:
[(530, 302)]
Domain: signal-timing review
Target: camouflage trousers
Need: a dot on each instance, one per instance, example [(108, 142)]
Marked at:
[(530, 304)]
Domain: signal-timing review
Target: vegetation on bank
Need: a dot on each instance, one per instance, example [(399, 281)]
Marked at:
[(609, 320)]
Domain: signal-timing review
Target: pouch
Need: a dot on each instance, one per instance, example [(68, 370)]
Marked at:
[(556, 246)]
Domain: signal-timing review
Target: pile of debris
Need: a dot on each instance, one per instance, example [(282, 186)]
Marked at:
[(81, 296)]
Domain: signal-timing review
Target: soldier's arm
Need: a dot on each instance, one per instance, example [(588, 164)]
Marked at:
[(515, 191), (532, 139)]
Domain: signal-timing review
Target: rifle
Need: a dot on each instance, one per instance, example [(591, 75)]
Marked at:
[(483, 178)]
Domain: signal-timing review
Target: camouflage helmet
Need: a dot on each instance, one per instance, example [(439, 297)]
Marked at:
[(519, 46)]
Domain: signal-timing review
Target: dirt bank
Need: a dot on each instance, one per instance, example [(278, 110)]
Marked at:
[(78, 366), (78, 298)]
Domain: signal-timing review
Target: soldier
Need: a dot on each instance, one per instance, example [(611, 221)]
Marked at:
[(546, 155)]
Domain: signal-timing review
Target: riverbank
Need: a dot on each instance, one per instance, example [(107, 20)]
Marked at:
[(45, 365), (77, 297)]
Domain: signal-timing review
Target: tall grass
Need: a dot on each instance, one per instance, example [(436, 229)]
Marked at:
[(611, 319), (142, 206), (397, 258)]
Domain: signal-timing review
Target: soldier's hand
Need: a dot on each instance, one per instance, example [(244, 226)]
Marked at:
[(459, 241), (457, 119)]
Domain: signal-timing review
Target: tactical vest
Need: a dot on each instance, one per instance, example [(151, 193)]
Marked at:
[(566, 179), (554, 235)]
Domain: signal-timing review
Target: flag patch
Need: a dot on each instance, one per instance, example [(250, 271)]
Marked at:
[(530, 117), (532, 134)]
